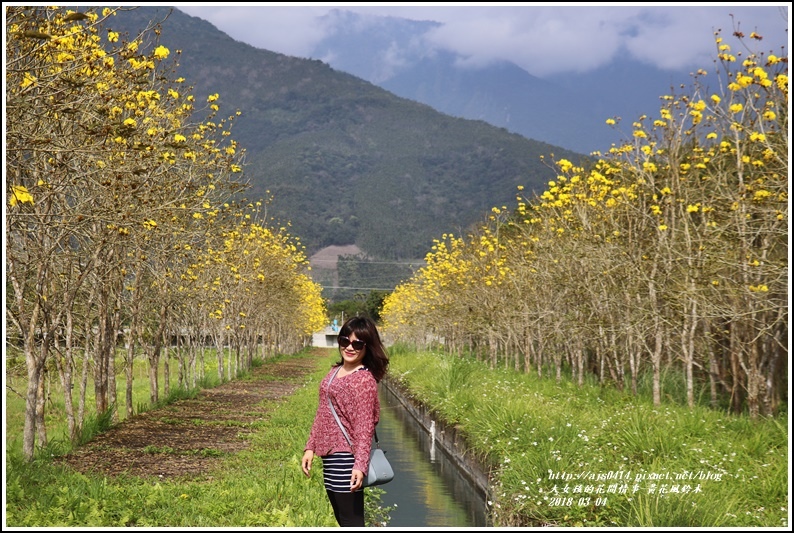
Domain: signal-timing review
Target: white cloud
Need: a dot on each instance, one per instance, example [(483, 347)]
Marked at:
[(287, 30), (542, 39)]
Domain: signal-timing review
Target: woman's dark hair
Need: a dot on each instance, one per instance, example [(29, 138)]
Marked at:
[(375, 358)]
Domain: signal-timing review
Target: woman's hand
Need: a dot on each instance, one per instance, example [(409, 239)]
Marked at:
[(356, 480), (306, 462)]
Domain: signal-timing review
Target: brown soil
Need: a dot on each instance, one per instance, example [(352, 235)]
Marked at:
[(328, 256), (189, 437)]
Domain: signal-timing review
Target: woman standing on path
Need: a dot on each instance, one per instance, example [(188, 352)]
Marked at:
[(352, 386)]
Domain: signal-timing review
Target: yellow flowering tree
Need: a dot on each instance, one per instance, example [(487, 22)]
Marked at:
[(669, 250), (104, 167)]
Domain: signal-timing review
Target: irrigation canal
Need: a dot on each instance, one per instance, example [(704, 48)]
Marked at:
[(429, 489)]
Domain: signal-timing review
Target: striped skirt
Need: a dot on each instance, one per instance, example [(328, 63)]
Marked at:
[(337, 469)]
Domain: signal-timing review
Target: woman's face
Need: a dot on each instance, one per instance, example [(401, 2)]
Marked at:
[(350, 355)]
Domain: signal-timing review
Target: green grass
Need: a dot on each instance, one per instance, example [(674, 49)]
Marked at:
[(727, 470), (55, 413), (716, 469), (262, 486)]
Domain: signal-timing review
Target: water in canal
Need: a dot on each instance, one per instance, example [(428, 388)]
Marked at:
[(427, 489)]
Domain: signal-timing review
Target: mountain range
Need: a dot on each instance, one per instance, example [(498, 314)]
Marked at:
[(360, 157), (348, 162), (563, 110)]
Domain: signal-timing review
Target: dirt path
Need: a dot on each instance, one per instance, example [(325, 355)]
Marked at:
[(188, 437)]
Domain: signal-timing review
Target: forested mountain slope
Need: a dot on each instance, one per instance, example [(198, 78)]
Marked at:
[(345, 161)]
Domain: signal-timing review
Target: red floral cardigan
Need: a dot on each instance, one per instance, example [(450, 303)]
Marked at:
[(355, 398)]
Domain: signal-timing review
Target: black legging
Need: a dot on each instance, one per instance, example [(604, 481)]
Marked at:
[(348, 507)]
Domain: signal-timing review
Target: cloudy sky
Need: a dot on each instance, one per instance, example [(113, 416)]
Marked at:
[(543, 39)]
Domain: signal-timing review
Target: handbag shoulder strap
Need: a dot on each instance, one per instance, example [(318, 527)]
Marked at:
[(336, 417)]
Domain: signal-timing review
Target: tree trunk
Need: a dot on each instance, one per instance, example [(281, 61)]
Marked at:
[(219, 353), (714, 370), (166, 366), (64, 361), (101, 354), (736, 388), (688, 348), (35, 366), (656, 355), (129, 361), (113, 340), (154, 354), (84, 371), (41, 401)]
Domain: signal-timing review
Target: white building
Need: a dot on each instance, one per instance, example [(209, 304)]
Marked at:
[(325, 338)]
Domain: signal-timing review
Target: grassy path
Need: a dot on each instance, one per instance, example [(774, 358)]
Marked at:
[(187, 438)]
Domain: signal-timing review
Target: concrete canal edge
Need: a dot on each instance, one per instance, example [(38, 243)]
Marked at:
[(448, 438)]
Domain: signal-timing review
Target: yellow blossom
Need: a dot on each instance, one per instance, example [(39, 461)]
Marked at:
[(564, 165), (743, 80), (760, 73), (161, 52), (20, 194), (761, 195), (27, 80)]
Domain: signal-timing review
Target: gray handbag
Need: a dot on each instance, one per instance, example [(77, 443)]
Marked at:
[(380, 471)]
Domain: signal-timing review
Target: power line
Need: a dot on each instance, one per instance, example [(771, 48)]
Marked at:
[(358, 288), (369, 262)]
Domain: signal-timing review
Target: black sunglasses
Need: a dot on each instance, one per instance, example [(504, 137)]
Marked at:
[(344, 342)]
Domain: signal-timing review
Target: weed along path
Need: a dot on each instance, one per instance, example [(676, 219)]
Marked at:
[(186, 439)]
